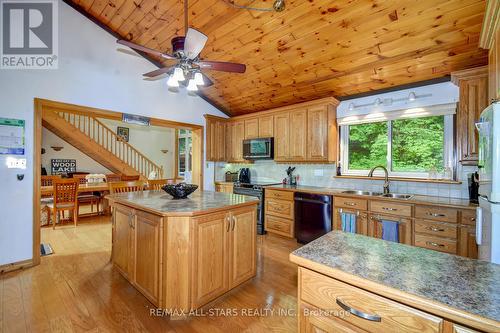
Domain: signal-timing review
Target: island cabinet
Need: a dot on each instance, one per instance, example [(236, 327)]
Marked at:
[(182, 260)]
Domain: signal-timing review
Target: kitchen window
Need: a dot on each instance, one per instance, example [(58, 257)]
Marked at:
[(407, 147), (185, 152)]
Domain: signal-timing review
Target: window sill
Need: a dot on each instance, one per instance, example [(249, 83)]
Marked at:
[(403, 179)]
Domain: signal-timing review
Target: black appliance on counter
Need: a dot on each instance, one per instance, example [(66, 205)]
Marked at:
[(258, 149), (244, 175), (255, 189), (313, 216)]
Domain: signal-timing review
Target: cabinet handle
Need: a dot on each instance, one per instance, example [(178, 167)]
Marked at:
[(357, 313), (473, 219), (131, 217), (434, 244), (389, 209), (234, 222), (350, 203), (436, 214), (435, 229), (228, 219)]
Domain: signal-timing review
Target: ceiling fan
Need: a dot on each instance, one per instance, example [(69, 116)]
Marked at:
[(185, 52)]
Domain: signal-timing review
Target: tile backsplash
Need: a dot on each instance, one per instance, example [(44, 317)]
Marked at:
[(323, 175)]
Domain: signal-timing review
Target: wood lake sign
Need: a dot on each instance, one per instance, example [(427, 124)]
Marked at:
[(62, 166)]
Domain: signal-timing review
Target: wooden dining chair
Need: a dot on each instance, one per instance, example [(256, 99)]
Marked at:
[(124, 187), (65, 198), (87, 197), (157, 184), (128, 178)]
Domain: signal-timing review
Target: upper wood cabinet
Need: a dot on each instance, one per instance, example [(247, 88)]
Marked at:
[(317, 131), (490, 40), (216, 138), (252, 128), (298, 135), (282, 136), (473, 85), (237, 136), (266, 126)]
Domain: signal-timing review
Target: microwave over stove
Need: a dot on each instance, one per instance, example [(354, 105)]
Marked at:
[(258, 149)]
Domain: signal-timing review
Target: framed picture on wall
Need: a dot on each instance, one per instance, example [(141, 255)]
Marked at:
[(123, 133)]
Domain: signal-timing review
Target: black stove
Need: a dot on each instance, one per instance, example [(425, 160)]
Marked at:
[(255, 189)]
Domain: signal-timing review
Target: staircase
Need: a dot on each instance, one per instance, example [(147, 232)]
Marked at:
[(100, 143)]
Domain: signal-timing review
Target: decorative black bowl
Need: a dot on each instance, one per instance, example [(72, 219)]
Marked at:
[(180, 191)]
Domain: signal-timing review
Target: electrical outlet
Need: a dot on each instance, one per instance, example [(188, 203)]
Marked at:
[(16, 163)]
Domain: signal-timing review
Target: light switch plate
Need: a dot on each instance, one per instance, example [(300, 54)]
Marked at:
[(16, 163)]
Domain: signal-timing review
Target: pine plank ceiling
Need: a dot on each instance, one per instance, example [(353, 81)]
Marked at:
[(314, 48)]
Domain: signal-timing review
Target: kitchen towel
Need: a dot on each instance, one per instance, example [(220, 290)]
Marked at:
[(348, 222), (390, 231)]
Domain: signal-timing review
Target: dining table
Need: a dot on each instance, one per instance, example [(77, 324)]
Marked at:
[(82, 188)]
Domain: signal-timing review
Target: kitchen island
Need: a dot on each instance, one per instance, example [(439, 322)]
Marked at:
[(351, 283), (182, 254)]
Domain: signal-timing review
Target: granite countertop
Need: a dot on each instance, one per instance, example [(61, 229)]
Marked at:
[(465, 284), (416, 199), (199, 202)]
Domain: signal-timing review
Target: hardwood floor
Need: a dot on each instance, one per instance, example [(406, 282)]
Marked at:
[(77, 290)]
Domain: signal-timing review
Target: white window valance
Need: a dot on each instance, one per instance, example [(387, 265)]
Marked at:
[(418, 112)]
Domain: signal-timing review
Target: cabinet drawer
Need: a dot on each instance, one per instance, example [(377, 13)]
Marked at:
[(468, 217), (280, 208), (353, 203), (388, 207), (279, 225), (436, 213), (277, 194), (435, 228), (436, 243), (386, 315)]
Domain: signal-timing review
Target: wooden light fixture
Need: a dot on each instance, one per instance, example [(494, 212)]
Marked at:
[(164, 151), (57, 148)]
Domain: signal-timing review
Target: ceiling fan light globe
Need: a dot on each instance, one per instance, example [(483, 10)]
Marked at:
[(198, 79), (172, 82), (179, 74), (192, 85)]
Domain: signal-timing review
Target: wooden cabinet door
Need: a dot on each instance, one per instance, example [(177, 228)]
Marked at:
[(467, 246), (473, 85), (211, 140), (298, 135), (361, 220), (238, 133), (211, 237), (266, 125), (252, 128), (375, 227), (282, 137), (147, 255), (317, 134), (229, 141), (122, 240), (243, 245), (220, 141)]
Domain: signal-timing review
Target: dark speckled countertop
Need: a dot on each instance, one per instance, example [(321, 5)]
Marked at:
[(416, 199), (199, 202), (469, 285)]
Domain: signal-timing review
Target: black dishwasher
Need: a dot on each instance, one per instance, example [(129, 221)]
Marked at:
[(313, 216)]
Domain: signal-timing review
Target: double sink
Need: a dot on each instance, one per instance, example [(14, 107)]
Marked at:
[(378, 194)]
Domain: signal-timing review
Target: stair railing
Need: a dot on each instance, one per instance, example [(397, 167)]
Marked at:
[(109, 140)]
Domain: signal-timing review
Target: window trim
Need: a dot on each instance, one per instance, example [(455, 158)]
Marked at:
[(186, 135), (448, 152)]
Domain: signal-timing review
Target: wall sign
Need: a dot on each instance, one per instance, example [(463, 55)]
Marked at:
[(123, 133), (11, 136), (62, 166), (135, 119)]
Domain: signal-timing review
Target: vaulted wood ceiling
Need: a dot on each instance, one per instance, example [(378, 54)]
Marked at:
[(314, 48)]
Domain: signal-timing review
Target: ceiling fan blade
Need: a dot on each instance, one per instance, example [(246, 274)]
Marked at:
[(223, 66), (145, 49), (195, 42), (157, 72)]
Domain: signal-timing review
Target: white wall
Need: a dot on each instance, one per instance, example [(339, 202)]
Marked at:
[(92, 73), (83, 162)]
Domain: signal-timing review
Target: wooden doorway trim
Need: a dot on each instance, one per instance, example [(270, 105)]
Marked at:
[(44, 105)]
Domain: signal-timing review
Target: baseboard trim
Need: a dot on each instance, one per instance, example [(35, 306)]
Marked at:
[(16, 265)]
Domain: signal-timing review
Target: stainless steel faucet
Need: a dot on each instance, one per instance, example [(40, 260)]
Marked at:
[(386, 181)]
